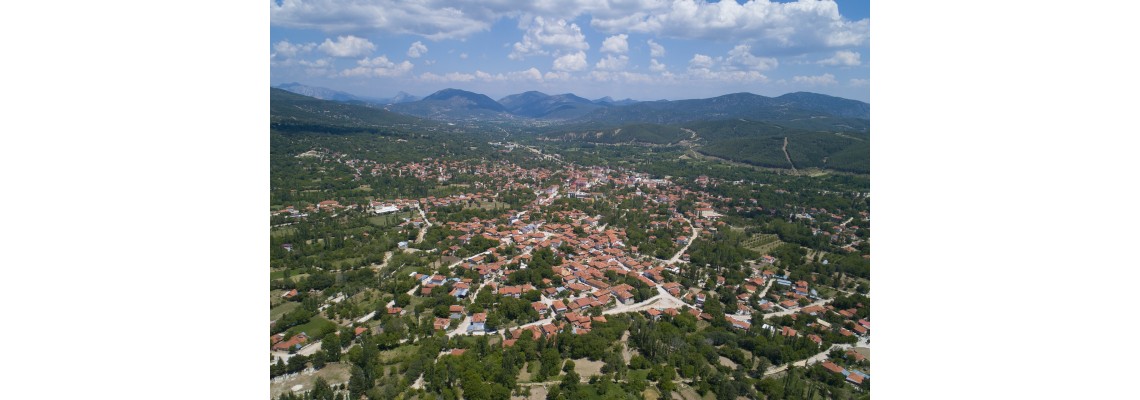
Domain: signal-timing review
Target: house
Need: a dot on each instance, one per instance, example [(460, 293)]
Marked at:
[(855, 378), (788, 331), (290, 294), (559, 307), (478, 323), (456, 311), (653, 314), (540, 307), (739, 324), (395, 311), (441, 323), (815, 338), (830, 366), (359, 330), (294, 343), (457, 352)]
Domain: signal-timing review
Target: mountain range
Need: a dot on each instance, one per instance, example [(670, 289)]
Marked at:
[(809, 129)]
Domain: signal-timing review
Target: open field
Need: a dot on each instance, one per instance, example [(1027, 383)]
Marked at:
[(277, 312), (391, 219), (316, 328), (586, 368), (762, 243), (334, 373), (397, 354), (282, 231)]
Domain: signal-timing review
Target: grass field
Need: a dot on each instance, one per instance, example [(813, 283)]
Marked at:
[(762, 243), (348, 262), (391, 219), (282, 231), (316, 328), (335, 373), (277, 312), (388, 357)]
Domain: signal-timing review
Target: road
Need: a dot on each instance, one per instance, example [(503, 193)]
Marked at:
[(696, 233), (796, 309), (424, 228), (810, 360), (786, 156), (663, 299)]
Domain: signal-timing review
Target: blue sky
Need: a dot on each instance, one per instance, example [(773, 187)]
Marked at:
[(640, 49)]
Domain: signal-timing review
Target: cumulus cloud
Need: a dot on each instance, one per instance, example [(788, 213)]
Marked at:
[(740, 57), (556, 76), (379, 66), (433, 19), (617, 44), (794, 24), (320, 67), (571, 62), (620, 76), (347, 46), (843, 57), (858, 82), (817, 80), (728, 69), (532, 74), (448, 77), (804, 24), (284, 50), (656, 66), (700, 61), (559, 36), (612, 63), (655, 49), (418, 49)]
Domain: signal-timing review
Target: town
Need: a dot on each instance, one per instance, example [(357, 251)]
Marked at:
[(554, 249)]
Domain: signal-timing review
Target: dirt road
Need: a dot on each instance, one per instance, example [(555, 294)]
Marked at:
[(786, 156)]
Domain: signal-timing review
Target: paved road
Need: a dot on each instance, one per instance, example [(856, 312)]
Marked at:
[(696, 233), (663, 299), (794, 310), (810, 360)]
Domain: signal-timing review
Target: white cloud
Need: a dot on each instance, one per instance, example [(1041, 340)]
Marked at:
[(793, 24), (532, 74), (655, 49), (700, 61), (843, 57), (347, 46), (858, 82), (320, 67), (818, 80), (571, 62), (620, 76), (803, 24), (740, 57), (556, 76), (617, 44), (612, 63), (433, 19), (462, 56), (448, 77), (285, 50), (656, 66), (418, 49), (558, 35), (709, 68), (378, 66)]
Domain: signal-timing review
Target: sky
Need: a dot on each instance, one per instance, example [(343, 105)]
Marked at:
[(639, 49)]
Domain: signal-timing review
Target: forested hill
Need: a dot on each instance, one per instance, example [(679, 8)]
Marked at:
[(291, 112)]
